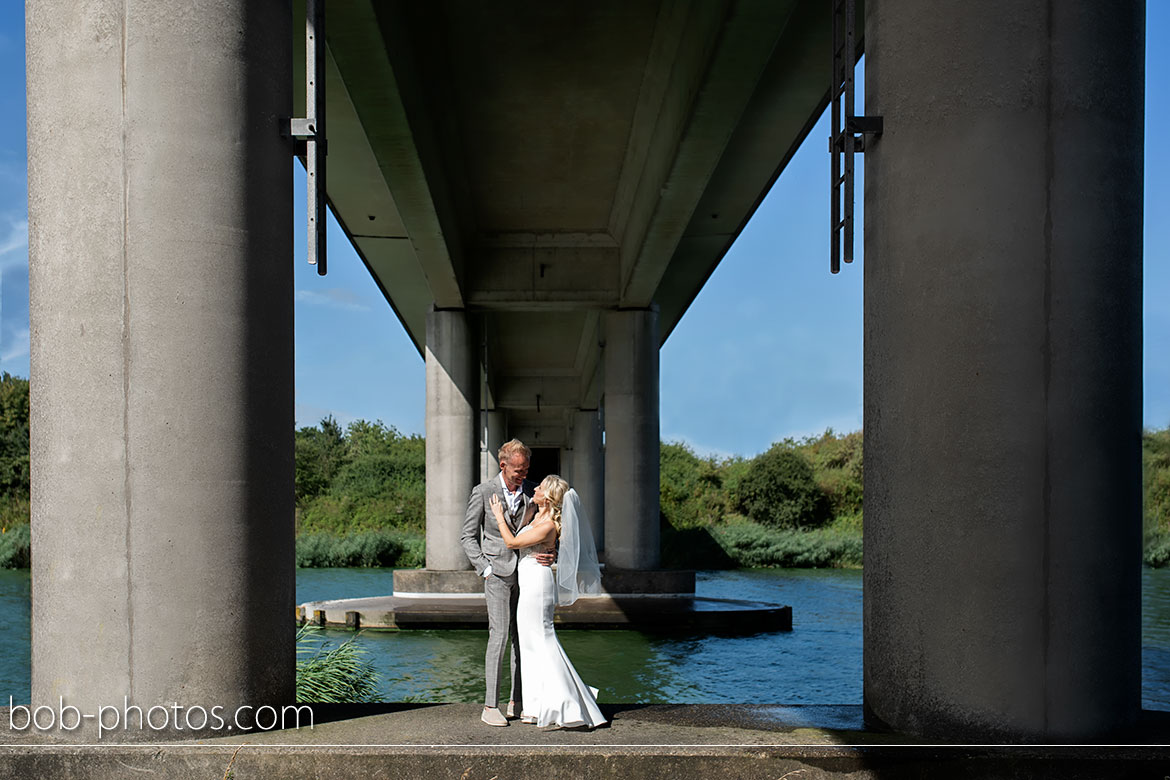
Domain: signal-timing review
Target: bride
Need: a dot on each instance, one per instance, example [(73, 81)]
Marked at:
[(553, 692)]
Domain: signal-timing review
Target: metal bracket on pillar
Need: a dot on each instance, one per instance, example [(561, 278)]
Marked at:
[(311, 130), (848, 136)]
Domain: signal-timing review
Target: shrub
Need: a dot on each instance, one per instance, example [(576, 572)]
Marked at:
[(14, 443), (1157, 551), (690, 488), (754, 546), (837, 469), (779, 490), (15, 547), (1156, 479), (14, 510), (369, 549)]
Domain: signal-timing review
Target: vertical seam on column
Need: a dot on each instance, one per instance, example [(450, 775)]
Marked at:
[(1049, 171), (126, 369)]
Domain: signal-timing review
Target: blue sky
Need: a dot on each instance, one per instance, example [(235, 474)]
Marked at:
[(785, 333)]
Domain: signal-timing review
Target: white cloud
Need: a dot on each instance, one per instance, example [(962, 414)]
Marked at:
[(308, 415), (14, 244), (336, 297), (15, 347)]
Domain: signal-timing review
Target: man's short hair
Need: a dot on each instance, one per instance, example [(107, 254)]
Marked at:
[(514, 447)]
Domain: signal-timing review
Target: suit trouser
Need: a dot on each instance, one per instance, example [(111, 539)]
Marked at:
[(502, 594)]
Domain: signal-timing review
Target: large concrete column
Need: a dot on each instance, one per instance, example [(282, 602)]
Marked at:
[(631, 439), (161, 307), (452, 454), (1003, 256), (588, 474)]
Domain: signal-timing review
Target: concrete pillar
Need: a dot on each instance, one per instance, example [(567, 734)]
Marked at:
[(1003, 257), (565, 454), (161, 306), (589, 469), (489, 447), (631, 439), (452, 454)]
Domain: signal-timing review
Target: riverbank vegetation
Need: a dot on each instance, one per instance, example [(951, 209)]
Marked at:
[(360, 494), (796, 505), (361, 498), (1156, 496)]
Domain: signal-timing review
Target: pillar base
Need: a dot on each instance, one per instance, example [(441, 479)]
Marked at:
[(614, 581)]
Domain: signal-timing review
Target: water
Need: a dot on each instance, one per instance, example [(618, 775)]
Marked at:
[(16, 638), (1156, 639), (818, 662)]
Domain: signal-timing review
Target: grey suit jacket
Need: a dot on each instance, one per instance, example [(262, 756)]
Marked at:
[(480, 520)]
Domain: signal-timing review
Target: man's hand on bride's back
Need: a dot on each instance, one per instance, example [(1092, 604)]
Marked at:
[(545, 558)]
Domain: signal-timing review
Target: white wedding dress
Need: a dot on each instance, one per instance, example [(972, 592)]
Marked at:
[(553, 691)]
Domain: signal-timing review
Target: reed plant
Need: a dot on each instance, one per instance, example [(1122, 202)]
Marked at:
[(328, 674)]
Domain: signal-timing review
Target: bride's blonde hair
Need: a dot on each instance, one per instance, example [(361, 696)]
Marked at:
[(554, 492)]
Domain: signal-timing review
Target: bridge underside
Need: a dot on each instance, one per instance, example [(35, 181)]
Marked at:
[(537, 164)]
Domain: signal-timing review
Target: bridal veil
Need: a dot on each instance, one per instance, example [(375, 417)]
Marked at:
[(577, 568)]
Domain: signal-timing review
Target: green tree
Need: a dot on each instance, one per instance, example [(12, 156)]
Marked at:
[(837, 468), (1156, 481), (14, 448), (779, 490), (320, 454), (690, 488)]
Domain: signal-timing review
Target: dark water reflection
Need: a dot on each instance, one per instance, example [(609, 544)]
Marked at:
[(1156, 639), (819, 662)]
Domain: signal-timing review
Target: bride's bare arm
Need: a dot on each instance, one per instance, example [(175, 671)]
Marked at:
[(534, 538)]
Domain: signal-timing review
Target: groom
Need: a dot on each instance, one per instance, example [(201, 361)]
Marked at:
[(497, 565)]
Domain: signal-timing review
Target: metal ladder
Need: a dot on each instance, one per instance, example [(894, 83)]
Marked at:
[(848, 131)]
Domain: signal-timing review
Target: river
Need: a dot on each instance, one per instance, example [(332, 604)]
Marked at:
[(818, 662)]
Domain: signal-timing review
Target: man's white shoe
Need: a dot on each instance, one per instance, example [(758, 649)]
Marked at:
[(511, 712), (493, 717)]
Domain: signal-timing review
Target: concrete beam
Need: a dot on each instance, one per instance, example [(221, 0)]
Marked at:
[(790, 97), (380, 82), (560, 277), (525, 392), (549, 428), (695, 128)]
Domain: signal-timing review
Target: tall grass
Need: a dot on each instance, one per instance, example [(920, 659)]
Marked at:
[(333, 675)]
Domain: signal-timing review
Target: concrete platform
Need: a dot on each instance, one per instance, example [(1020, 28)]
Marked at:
[(683, 614), (641, 741), (659, 601)]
